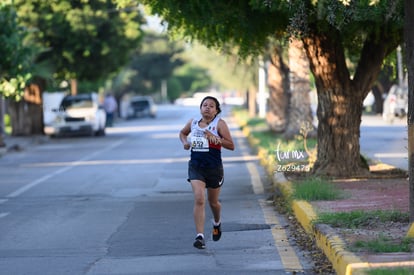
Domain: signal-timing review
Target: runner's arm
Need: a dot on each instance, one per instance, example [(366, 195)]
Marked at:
[(184, 134)]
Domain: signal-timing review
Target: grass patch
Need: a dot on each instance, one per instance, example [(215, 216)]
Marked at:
[(256, 121), (7, 124), (240, 114), (359, 218), (271, 141), (267, 139), (383, 245), (391, 271), (314, 189)]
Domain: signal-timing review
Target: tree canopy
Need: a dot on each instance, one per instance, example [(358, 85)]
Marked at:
[(330, 30), (75, 40), (150, 64), (16, 56), (249, 24), (86, 40)]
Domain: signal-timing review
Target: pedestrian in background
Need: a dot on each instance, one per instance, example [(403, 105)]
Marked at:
[(110, 106), (207, 135)]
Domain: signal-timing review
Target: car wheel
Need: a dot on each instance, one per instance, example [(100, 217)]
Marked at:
[(102, 132)]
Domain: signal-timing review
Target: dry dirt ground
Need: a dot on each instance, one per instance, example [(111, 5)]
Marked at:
[(385, 189)]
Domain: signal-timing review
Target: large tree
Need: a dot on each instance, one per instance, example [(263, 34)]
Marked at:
[(278, 84), (289, 107), (409, 49), (82, 40), (300, 111), (15, 61), (155, 63), (330, 30)]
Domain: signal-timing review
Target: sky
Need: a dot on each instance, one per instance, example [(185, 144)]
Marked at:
[(154, 23)]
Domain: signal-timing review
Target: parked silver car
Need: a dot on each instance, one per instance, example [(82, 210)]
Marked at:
[(395, 103), (78, 114), (141, 106)]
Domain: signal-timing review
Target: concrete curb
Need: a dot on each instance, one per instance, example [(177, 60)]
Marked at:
[(343, 261), (21, 143), (332, 245), (326, 239)]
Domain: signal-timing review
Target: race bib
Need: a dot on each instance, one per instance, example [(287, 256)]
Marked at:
[(199, 144)]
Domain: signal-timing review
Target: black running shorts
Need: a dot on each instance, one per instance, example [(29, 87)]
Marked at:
[(212, 177)]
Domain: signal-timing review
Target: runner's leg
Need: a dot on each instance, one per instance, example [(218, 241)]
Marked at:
[(215, 205), (199, 204)]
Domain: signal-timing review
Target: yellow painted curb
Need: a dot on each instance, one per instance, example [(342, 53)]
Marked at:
[(304, 213), (334, 249), (332, 245), (343, 261), (410, 233), (285, 188)]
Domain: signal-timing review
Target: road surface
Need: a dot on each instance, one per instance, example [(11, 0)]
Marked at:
[(120, 204)]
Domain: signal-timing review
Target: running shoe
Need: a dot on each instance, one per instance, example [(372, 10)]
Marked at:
[(199, 243), (216, 232)]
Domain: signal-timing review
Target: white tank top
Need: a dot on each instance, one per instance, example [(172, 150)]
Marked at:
[(198, 141)]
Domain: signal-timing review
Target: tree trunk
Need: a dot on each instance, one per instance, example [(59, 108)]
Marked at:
[(340, 99), (300, 112), (278, 83), (20, 121), (251, 101), (409, 50), (381, 87), (378, 93), (2, 124), (338, 135), (73, 87), (27, 115), (33, 97)]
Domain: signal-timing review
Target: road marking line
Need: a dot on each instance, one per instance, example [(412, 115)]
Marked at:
[(254, 174), (286, 252), (255, 179), (131, 161), (71, 165), (23, 189), (2, 215), (391, 155)]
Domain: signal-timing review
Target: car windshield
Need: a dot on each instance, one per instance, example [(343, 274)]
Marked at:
[(140, 103), (76, 102)]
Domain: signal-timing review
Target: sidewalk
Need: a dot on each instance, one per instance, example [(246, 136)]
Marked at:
[(363, 194), (387, 190), (21, 143)]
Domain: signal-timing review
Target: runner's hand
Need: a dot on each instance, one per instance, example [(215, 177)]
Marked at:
[(212, 138), (186, 146)]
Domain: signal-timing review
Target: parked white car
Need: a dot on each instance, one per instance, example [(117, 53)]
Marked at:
[(78, 114), (395, 103)]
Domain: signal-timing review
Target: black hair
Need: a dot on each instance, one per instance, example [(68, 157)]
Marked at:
[(215, 100)]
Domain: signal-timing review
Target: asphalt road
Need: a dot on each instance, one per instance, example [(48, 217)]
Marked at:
[(385, 142), (120, 204)]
